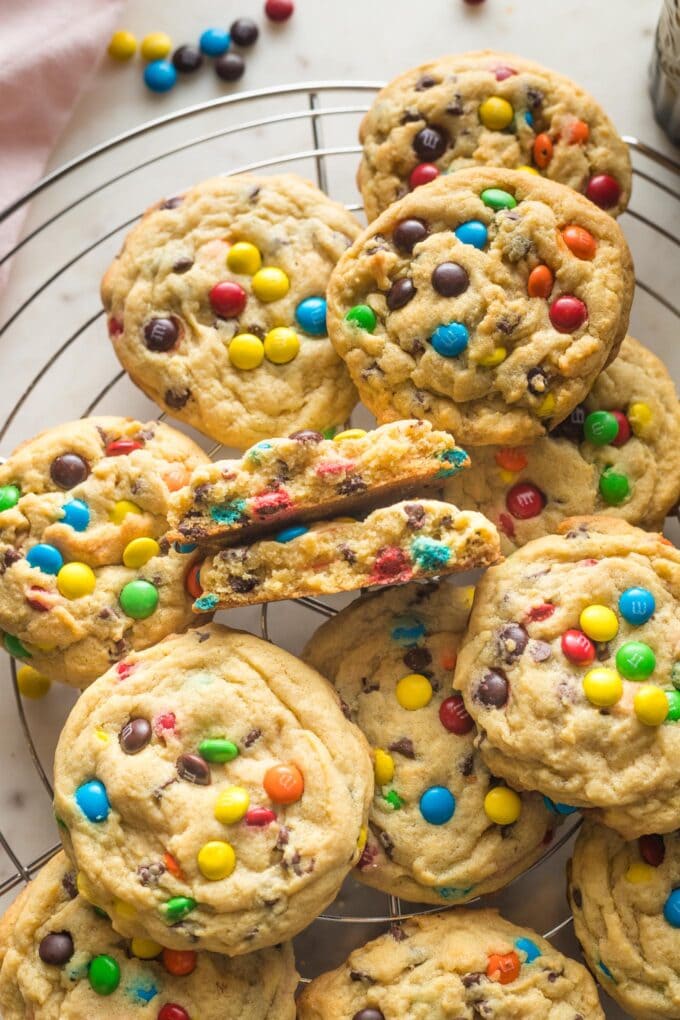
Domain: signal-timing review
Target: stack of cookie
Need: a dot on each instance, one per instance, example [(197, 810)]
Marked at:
[(212, 791)]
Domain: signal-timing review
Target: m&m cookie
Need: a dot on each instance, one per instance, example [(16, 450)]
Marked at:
[(60, 957), (489, 109), (215, 796), (441, 829), (486, 302), (216, 307), (617, 453), (410, 541), (571, 669), (625, 898), (279, 481), (87, 574), (465, 963)]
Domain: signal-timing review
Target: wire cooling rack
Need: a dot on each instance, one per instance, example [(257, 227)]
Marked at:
[(59, 364)]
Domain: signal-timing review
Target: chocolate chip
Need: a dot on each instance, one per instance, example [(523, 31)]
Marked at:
[(493, 690), (252, 737), (160, 334), (507, 324), (176, 398), (534, 97), (283, 838), (450, 279), (472, 979), (601, 650), (69, 469), (69, 884), (397, 932), (430, 143), (417, 659), (415, 515), (577, 897), (572, 426), (242, 585), (540, 651), (193, 769), (348, 486), (537, 381), (403, 746), (150, 874), (348, 555), (466, 765), (307, 436), (187, 59), (426, 82), (408, 233), (456, 108), (400, 293), (172, 203), (511, 642), (410, 116), (182, 265), (135, 735), (56, 949), (386, 843)]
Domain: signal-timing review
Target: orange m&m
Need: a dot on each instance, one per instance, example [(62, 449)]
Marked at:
[(543, 150), (580, 242), (540, 282), (503, 967), (284, 784), (179, 962), (511, 459)]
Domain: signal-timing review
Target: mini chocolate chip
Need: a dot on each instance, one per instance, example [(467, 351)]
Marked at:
[(408, 233), (161, 334), (252, 737), (150, 874), (511, 642), (182, 265), (367, 686), (493, 690), (351, 485), (56, 949), (69, 884), (417, 659), (602, 651), (386, 843), (348, 555), (403, 746), (193, 769), (68, 470), (242, 585), (540, 651), (415, 515), (172, 203), (409, 117), (397, 932), (577, 897), (135, 735), (472, 979), (456, 108), (426, 82), (507, 324), (466, 765), (450, 279), (430, 143), (369, 1014), (534, 97), (306, 436), (537, 381), (176, 398), (400, 293)]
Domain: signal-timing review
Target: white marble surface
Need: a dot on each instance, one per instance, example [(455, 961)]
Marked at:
[(605, 46)]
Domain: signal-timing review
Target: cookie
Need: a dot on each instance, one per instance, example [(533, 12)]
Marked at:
[(489, 109), (213, 794), (86, 574), (216, 307), (570, 666), (617, 453), (306, 476), (441, 829), (409, 541), (626, 905), (465, 963), (60, 958), (487, 302)]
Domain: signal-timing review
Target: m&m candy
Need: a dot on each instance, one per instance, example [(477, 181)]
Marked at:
[(138, 599), (246, 352), (214, 42), (496, 113), (577, 647), (231, 805), (437, 805), (414, 691), (472, 232), (542, 150), (529, 948), (46, 558), (139, 551), (75, 580), (599, 623), (103, 974), (179, 962), (31, 683), (122, 45), (603, 190), (635, 660), (216, 860), (651, 705), (496, 198), (244, 258), (383, 766), (540, 282), (423, 174), (76, 513), (671, 910), (524, 501), (187, 59), (244, 32), (603, 687), (230, 66), (362, 316), (637, 605), (284, 784), (600, 428), (567, 313), (279, 10), (9, 496), (502, 805), (614, 487), (450, 340), (503, 967), (227, 299), (171, 1011), (580, 242), (93, 801), (454, 717), (281, 345), (155, 46), (270, 284), (160, 76)]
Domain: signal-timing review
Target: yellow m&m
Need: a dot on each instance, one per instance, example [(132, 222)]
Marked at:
[(496, 113), (270, 284), (363, 836), (639, 872), (599, 623), (121, 509), (640, 418), (383, 766), (414, 691), (651, 705), (216, 860), (349, 434), (156, 46), (502, 806), (244, 258), (281, 345), (31, 683), (145, 949), (498, 355), (124, 910), (122, 45), (139, 551), (546, 407), (246, 351), (603, 687), (75, 580), (231, 805)]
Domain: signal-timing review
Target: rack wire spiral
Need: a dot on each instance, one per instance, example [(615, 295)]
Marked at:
[(58, 263)]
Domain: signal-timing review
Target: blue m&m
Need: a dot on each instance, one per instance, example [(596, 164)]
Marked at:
[(437, 805), (76, 514), (559, 809), (450, 340), (46, 558), (214, 42), (671, 910), (637, 605), (529, 948), (310, 316), (288, 534), (160, 76), (93, 801), (473, 232)]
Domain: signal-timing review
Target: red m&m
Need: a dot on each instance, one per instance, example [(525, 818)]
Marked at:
[(603, 190), (122, 447), (423, 174), (624, 433), (577, 647), (227, 299), (454, 716), (568, 313), (171, 1011), (524, 500)]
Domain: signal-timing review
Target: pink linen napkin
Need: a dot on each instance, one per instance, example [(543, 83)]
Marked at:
[(49, 49)]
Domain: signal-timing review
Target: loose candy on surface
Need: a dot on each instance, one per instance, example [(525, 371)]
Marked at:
[(160, 76), (230, 67), (155, 46), (122, 45), (214, 41), (279, 10), (244, 32), (31, 683), (187, 58)]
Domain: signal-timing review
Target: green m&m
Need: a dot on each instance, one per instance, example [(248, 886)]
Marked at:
[(178, 907), (14, 646), (218, 750), (496, 198), (103, 974), (600, 428), (635, 660), (9, 496), (362, 316), (138, 599), (614, 487), (673, 699)]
